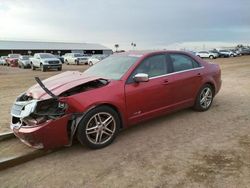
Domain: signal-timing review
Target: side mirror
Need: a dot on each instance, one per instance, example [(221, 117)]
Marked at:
[(141, 77)]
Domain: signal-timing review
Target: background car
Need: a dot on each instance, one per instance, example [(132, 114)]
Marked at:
[(226, 53), (24, 61), (60, 58), (123, 90), (3, 60), (12, 60), (95, 59), (245, 51), (75, 58), (45, 61), (207, 54)]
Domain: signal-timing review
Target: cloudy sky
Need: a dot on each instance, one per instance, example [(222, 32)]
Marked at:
[(148, 23)]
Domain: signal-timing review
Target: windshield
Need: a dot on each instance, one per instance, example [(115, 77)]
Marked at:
[(78, 55), (43, 56), (25, 57), (14, 55), (113, 67)]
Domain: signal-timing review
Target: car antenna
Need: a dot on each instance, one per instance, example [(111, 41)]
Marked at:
[(44, 88)]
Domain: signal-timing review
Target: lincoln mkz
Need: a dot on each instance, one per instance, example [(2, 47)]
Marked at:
[(117, 92)]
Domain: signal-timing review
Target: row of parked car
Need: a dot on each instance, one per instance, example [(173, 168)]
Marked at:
[(46, 61), (213, 54)]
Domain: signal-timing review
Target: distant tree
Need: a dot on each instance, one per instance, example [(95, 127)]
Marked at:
[(240, 46), (133, 45), (116, 47)]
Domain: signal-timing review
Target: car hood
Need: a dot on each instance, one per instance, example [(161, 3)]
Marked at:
[(59, 83), (11, 59)]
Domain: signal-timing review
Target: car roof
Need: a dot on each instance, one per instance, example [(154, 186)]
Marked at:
[(141, 53)]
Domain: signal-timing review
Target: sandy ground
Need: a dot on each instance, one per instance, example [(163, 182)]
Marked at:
[(184, 149)]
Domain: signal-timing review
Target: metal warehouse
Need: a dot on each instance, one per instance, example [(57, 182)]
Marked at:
[(30, 47)]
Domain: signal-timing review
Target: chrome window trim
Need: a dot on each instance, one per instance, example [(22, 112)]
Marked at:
[(172, 73)]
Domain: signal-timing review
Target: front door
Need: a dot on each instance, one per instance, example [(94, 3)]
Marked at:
[(144, 99)]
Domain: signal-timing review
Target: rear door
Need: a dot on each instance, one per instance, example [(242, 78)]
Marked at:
[(184, 79)]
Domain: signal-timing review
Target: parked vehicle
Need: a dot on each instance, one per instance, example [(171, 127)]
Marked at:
[(75, 58), (3, 60), (95, 59), (123, 90), (207, 54), (226, 53), (245, 51), (60, 58), (24, 61), (12, 60), (236, 52), (45, 61)]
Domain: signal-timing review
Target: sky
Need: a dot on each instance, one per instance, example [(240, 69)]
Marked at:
[(151, 24)]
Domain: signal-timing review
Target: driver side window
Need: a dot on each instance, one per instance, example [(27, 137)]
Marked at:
[(153, 66)]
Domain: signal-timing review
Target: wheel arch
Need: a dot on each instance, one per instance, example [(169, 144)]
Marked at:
[(115, 108), (212, 85)]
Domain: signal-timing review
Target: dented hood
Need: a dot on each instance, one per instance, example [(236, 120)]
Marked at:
[(59, 83)]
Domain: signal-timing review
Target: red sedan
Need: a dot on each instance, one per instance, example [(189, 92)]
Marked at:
[(120, 91), (12, 60)]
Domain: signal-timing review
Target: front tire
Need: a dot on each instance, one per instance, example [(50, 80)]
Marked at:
[(43, 68), (32, 67), (211, 57), (99, 127), (204, 98)]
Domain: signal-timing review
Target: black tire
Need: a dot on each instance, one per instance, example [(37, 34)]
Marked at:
[(59, 68), (66, 61), (211, 57), (201, 106), (90, 63), (43, 68), (88, 119), (77, 62), (32, 66)]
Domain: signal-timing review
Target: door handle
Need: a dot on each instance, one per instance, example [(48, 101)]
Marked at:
[(198, 74), (165, 82)]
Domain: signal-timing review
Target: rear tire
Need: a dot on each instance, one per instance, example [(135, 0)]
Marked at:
[(99, 127), (204, 98)]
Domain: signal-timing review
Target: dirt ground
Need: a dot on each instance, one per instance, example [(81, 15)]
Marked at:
[(184, 149)]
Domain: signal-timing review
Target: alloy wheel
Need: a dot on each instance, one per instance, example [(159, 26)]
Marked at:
[(206, 97), (100, 128)]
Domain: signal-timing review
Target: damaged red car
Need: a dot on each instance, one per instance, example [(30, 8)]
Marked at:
[(12, 60), (120, 91)]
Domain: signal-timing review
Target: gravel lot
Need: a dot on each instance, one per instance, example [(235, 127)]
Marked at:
[(184, 149)]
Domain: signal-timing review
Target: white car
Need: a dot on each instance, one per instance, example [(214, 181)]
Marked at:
[(75, 58), (3, 60), (24, 61), (45, 61), (207, 54), (95, 59)]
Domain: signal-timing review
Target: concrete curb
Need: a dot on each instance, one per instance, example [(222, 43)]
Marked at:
[(16, 160), (6, 135)]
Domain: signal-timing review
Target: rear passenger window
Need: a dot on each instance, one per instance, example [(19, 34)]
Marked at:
[(182, 62)]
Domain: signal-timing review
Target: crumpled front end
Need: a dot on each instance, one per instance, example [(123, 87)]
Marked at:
[(41, 124)]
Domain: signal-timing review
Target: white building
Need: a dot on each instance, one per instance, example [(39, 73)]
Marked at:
[(30, 47)]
